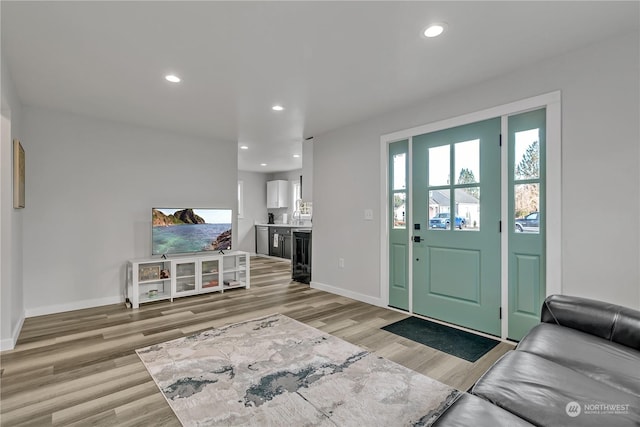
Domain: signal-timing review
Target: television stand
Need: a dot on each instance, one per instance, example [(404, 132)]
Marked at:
[(153, 279)]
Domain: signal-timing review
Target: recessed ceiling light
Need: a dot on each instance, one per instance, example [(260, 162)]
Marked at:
[(263, 164), (296, 155), (244, 147), (277, 108), (172, 78), (434, 30)]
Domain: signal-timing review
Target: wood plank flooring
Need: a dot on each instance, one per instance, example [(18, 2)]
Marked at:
[(80, 367)]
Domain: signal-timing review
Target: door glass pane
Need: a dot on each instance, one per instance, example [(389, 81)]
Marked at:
[(468, 208), (439, 165), (399, 171), (399, 210), (527, 154), (527, 205), (439, 208), (467, 162)]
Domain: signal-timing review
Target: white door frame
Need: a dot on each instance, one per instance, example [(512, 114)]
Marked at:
[(553, 250)]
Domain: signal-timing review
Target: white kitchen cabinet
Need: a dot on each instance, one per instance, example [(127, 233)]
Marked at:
[(277, 194)]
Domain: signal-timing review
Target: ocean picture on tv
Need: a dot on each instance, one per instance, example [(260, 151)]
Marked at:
[(177, 231)]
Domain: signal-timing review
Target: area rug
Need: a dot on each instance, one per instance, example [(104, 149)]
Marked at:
[(275, 371), (455, 342)]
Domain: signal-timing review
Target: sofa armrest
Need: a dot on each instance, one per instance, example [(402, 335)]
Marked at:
[(609, 321)]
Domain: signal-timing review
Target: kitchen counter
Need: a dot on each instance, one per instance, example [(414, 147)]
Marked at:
[(276, 239)]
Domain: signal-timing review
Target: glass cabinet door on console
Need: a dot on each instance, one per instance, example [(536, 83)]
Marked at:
[(184, 280), (210, 275)]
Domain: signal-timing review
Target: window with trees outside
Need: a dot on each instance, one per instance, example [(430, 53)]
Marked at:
[(527, 181), (455, 205), (399, 190)]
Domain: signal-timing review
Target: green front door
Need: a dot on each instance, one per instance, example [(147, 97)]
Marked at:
[(456, 225), (527, 289)]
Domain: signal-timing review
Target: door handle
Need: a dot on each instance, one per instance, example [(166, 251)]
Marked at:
[(417, 239)]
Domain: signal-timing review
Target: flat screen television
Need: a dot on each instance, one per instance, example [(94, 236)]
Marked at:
[(189, 230)]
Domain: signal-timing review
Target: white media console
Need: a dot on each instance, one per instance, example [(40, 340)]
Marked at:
[(153, 279)]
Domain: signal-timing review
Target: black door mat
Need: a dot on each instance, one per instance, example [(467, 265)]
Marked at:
[(455, 342)]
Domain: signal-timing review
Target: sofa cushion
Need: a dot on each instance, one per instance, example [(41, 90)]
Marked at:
[(609, 321), (604, 361), (471, 410), (546, 393)]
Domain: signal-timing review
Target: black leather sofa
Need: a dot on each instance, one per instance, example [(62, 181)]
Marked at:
[(579, 367)]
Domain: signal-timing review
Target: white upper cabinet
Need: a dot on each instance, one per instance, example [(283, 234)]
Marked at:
[(278, 194)]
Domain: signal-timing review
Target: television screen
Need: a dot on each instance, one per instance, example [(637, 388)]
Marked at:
[(187, 230)]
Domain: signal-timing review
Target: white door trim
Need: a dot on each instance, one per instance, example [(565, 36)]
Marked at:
[(504, 237), (552, 102)]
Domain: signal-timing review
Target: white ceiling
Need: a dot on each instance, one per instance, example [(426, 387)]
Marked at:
[(328, 63)]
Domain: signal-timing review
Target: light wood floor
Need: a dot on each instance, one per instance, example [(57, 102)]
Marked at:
[(80, 368)]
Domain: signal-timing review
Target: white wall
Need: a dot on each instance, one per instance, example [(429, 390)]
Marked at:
[(307, 170), (91, 187), (600, 88), (255, 208), (11, 294)]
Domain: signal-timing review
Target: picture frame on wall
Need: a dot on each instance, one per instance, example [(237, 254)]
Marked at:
[(18, 175)]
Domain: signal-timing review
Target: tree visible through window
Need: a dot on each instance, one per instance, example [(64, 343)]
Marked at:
[(399, 174), (529, 166), (467, 177), (527, 175)]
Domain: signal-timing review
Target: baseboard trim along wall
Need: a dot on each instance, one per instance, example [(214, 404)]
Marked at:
[(76, 305), (7, 344), (349, 294), (10, 343)]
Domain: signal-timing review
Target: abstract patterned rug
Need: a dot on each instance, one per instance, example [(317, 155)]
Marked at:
[(275, 371)]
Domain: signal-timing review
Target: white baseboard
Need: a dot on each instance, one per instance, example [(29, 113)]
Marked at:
[(75, 305), (10, 343), (347, 293), (7, 344)]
